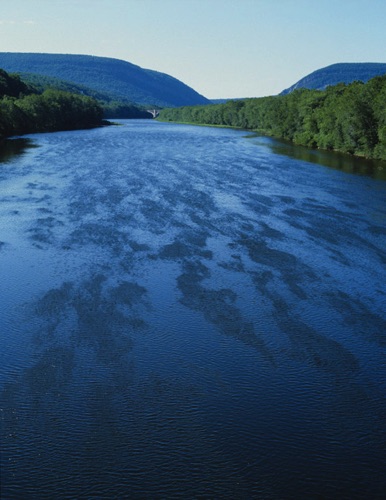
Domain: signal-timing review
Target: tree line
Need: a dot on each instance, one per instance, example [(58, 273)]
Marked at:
[(24, 110), (350, 118)]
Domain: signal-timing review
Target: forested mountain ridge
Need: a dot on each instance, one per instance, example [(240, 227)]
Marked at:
[(338, 73), (112, 108), (347, 118), (43, 82), (113, 77)]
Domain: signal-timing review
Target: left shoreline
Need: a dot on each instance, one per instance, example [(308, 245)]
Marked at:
[(104, 123)]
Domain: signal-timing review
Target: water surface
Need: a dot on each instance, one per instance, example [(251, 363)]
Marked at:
[(188, 313)]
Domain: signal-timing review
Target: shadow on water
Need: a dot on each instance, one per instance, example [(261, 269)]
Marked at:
[(332, 159), (11, 148)]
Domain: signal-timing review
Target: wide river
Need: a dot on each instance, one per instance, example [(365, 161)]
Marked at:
[(187, 312)]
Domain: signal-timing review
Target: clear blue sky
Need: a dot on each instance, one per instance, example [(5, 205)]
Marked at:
[(221, 48)]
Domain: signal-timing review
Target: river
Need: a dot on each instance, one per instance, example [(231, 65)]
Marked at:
[(189, 312)]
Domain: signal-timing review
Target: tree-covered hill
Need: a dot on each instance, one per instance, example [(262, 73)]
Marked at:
[(41, 83), (347, 118), (12, 85), (24, 110), (111, 107), (113, 77), (338, 73)]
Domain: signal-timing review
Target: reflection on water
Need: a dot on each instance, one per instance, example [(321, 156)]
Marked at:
[(331, 159), (11, 148)]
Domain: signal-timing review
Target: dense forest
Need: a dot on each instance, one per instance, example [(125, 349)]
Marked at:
[(348, 118), (24, 110)]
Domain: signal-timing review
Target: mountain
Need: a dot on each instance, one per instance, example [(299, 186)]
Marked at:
[(112, 108), (338, 73), (41, 82), (118, 79)]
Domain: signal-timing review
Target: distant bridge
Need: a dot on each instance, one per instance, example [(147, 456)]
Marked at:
[(153, 112)]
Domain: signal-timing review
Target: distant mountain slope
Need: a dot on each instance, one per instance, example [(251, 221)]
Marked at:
[(338, 73), (43, 82), (112, 108), (114, 77)]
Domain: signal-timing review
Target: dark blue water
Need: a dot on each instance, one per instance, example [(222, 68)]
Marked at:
[(189, 313)]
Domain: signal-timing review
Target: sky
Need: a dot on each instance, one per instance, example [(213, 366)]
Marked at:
[(221, 48)]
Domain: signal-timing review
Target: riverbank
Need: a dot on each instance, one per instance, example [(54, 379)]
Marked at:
[(380, 163), (104, 123), (345, 118)]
